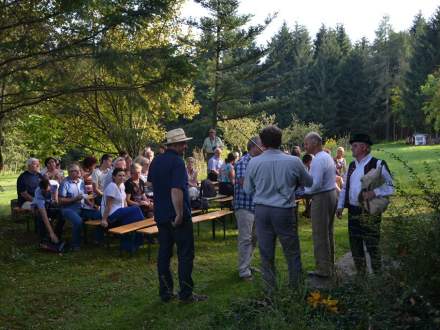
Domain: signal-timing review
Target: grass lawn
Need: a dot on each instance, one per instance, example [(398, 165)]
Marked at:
[(97, 288)]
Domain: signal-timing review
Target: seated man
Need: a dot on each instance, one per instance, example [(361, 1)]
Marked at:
[(73, 198), (27, 182), (215, 163), (44, 201)]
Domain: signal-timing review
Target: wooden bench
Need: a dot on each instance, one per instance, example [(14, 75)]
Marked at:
[(18, 214)]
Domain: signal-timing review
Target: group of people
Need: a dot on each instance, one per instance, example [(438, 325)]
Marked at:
[(265, 183), (114, 191)]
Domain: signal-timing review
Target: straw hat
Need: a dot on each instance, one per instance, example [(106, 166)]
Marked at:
[(177, 135)]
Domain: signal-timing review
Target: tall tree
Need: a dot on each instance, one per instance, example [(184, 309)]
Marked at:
[(227, 61)]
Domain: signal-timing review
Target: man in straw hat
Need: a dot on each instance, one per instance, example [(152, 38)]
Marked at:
[(363, 227), (172, 213)]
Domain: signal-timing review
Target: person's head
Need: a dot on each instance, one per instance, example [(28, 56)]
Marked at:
[(135, 171), (212, 133), (217, 152), (123, 154), (177, 141), (88, 180), (162, 148), (106, 161), (190, 162), (33, 165), (296, 151), (44, 184), (120, 163), (143, 162), (118, 175), (50, 163), (74, 171), (128, 161), (271, 137), (307, 160), (340, 152), (230, 158), (236, 155), (254, 146), (89, 163), (360, 145), (148, 153), (313, 143)]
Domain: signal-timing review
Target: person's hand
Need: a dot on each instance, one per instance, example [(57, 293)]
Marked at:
[(54, 238), (367, 195), (178, 220), (144, 203), (104, 223), (339, 213)]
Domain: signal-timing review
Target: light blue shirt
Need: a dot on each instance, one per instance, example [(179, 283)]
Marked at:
[(215, 163), (272, 178), (323, 171), (70, 189)]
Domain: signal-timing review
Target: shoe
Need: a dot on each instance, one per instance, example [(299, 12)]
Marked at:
[(194, 298), (168, 298)]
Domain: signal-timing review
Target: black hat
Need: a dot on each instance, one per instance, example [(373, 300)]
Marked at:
[(364, 138)]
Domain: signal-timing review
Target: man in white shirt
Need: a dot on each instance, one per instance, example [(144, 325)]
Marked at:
[(215, 162), (324, 199), (363, 227)]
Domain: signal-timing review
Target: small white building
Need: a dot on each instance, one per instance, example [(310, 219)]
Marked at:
[(420, 139)]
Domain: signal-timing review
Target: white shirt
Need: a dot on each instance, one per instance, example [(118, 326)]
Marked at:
[(386, 189), (119, 197), (98, 177), (323, 171)]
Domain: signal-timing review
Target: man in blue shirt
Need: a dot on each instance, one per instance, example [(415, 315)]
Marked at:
[(244, 211), (172, 212), (27, 182), (71, 198)]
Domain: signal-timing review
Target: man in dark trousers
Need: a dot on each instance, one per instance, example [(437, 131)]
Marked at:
[(363, 227), (172, 213)]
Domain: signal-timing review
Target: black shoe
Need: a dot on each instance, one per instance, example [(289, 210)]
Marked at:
[(194, 298), (166, 299)]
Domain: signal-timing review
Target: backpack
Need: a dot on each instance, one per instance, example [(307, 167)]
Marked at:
[(207, 189)]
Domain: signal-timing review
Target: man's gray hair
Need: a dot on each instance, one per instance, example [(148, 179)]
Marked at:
[(72, 166), (31, 160), (255, 141), (141, 160), (119, 159), (314, 137)]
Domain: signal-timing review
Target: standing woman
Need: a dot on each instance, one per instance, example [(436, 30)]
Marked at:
[(115, 211), (340, 162), (226, 176)]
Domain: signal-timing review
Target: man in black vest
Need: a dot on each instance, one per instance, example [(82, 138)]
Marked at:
[(363, 227)]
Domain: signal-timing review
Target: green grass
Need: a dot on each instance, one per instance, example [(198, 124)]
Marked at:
[(97, 288)]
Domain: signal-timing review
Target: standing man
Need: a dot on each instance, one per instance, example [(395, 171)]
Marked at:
[(272, 178), (244, 211), (172, 212), (324, 199), (211, 142), (363, 227)]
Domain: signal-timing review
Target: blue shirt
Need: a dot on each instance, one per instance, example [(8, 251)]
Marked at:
[(27, 182), (241, 199), (273, 176), (168, 171), (41, 198), (70, 189), (215, 163)]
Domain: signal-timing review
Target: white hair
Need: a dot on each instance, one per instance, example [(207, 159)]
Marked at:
[(119, 159), (31, 160), (314, 137)]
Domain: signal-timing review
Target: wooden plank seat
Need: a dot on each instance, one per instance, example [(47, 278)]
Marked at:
[(131, 227), (225, 199), (19, 214)]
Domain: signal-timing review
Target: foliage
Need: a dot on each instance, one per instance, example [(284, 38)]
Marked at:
[(431, 107), (237, 132), (294, 134)]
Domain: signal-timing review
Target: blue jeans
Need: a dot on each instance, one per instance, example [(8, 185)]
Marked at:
[(75, 217)]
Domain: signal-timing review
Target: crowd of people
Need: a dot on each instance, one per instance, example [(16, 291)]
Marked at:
[(266, 183)]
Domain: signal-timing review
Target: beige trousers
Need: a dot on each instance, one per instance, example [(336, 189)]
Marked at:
[(323, 214)]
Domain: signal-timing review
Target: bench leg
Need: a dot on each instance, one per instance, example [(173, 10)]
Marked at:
[(224, 228), (213, 229), (149, 250), (198, 229)]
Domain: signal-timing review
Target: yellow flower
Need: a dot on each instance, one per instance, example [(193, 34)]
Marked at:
[(314, 299), (330, 304)]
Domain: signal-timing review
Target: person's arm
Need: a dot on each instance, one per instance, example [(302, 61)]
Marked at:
[(249, 184), (22, 189), (108, 207), (232, 175), (177, 199), (317, 174), (26, 196), (53, 236)]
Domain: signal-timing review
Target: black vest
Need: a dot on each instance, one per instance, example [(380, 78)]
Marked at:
[(367, 168)]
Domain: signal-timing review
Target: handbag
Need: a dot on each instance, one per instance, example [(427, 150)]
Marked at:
[(370, 181)]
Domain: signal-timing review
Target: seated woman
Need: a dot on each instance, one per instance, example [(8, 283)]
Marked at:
[(115, 211), (193, 184), (47, 215), (135, 191), (51, 171), (227, 176)]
